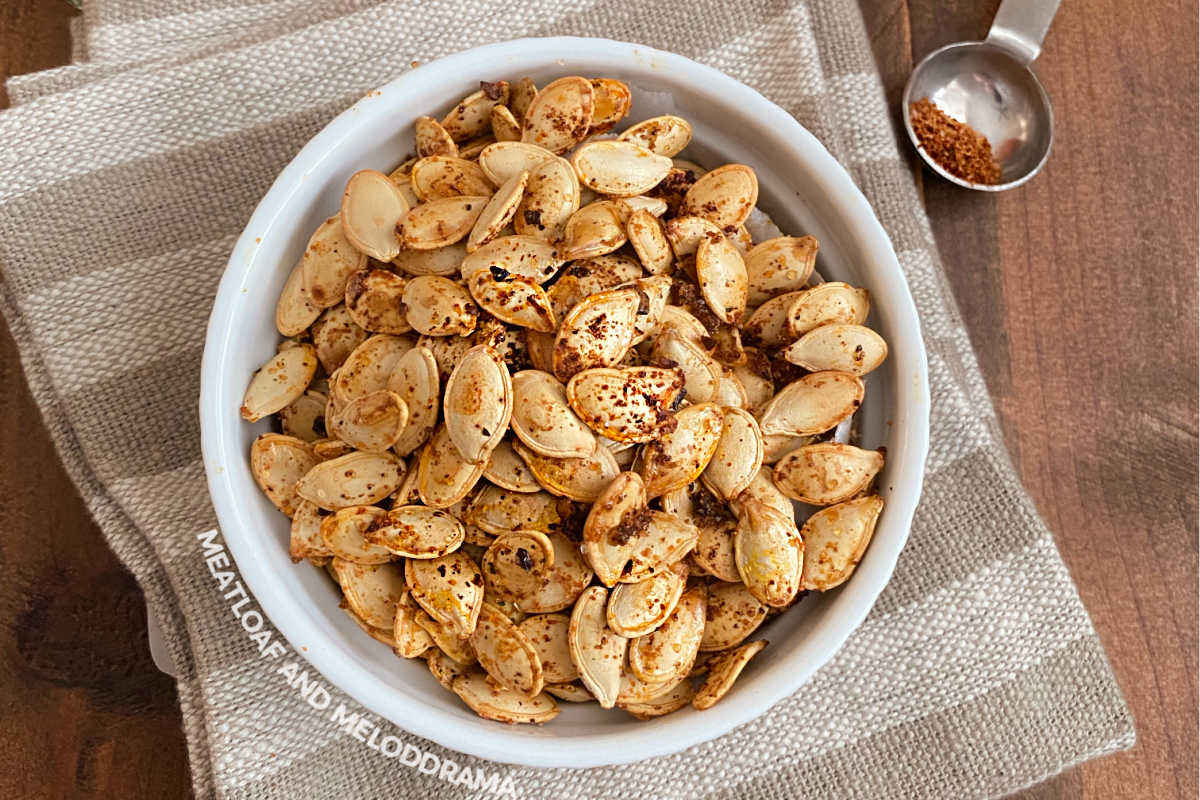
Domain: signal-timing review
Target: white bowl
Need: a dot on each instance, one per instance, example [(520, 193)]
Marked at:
[(802, 188)]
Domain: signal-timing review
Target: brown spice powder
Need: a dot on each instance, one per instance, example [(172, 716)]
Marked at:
[(957, 147)]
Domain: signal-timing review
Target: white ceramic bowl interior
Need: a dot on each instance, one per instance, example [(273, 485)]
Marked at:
[(802, 188)]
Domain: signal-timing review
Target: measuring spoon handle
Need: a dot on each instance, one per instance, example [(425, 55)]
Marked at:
[(1021, 25)]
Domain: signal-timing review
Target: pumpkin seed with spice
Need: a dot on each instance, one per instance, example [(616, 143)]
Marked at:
[(353, 479), (279, 382), (449, 588), (478, 403), (559, 116), (372, 206), (278, 463)]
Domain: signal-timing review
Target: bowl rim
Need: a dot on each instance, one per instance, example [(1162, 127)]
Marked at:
[(620, 746)]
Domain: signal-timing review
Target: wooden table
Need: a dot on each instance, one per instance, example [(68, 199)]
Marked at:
[(1080, 294)]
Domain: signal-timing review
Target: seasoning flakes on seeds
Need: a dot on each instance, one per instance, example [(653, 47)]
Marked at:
[(544, 403)]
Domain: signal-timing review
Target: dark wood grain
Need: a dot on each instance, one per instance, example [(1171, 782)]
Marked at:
[(1080, 294), (83, 711)]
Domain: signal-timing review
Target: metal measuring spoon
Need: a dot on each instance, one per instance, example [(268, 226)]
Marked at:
[(989, 85)]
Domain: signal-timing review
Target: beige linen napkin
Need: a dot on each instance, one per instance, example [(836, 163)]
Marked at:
[(123, 185)]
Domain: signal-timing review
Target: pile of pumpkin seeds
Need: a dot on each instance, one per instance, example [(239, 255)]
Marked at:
[(545, 406)]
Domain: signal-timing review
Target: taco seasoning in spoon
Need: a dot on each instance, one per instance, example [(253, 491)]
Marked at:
[(957, 147)]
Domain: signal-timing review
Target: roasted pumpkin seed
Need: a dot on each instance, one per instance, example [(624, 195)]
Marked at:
[(414, 379), (768, 551), (725, 196), (722, 672), (733, 613), (444, 176), (505, 653), (543, 420), (368, 368), (354, 479), (498, 511), (768, 325), (848, 348), (551, 197), (411, 640), (327, 449), (514, 299), (472, 116), (471, 150), (492, 701), (515, 564), (441, 222), (443, 476), (653, 293), (374, 300), (328, 261), (635, 690), (460, 651), (645, 234), (440, 261), (701, 372), (478, 403), (668, 653), (755, 377), (438, 306), (295, 311), (279, 382), (560, 114), (498, 212), (505, 468), (619, 168), (278, 463), (418, 532), (550, 636), (738, 456), (444, 668), (432, 139), (564, 582), (779, 266), (722, 277), (594, 230), (827, 473), (637, 609), (597, 332), (580, 479), (629, 404), (832, 303), (449, 588), (677, 458), (835, 540), (764, 490), (611, 100), (305, 539), (372, 206), (372, 591), (730, 392), (597, 651), (371, 422), (502, 161), (518, 256), (685, 233), (813, 404), (505, 126), (666, 136), (671, 700)]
